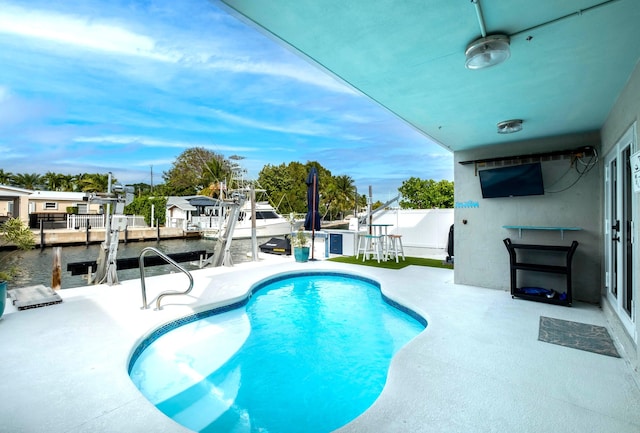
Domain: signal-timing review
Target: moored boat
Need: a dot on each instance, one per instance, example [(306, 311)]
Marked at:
[(268, 223)]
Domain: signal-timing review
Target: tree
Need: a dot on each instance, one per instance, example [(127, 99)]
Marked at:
[(53, 181), (142, 206), (96, 182), (14, 232), (192, 171), (286, 183), (67, 182), (216, 170), (5, 177), (341, 195), (426, 194), (141, 189), (27, 180)]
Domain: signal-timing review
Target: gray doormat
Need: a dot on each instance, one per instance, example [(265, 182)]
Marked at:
[(576, 335)]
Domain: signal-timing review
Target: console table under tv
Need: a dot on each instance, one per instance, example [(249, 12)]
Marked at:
[(547, 228), (564, 269)]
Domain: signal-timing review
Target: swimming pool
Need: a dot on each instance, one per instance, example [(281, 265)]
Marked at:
[(306, 352)]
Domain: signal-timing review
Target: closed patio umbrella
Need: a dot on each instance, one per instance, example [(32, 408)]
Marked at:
[(312, 219)]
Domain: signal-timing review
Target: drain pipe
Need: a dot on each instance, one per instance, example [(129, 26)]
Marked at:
[(483, 29)]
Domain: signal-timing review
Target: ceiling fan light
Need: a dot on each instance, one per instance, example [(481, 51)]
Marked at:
[(487, 51), (510, 126)]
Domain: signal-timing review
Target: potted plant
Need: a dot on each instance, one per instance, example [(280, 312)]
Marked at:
[(16, 233), (300, 245)]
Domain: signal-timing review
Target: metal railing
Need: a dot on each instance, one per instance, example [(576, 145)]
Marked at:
[(163, 294)]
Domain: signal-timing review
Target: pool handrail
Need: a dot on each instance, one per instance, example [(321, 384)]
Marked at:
[(170, 261)]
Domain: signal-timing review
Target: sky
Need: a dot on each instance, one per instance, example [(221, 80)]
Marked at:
[(126, 86)]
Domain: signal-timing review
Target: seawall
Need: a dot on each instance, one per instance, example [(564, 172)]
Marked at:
[(62, 237)]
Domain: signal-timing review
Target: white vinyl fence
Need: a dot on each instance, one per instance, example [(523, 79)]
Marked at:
[(422, 228), (97, 221)]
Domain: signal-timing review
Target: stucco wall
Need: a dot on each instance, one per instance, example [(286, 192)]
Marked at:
[(61, 205), (20, 208), (625, 112), (481, 257)]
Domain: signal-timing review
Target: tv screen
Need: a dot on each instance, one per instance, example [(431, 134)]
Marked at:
[(513, 181)]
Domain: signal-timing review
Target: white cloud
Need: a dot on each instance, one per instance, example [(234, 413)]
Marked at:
[(154, 162), (300, 127), (80, 32), (128, 139), (154, 142), (104, 36), (297, 70)]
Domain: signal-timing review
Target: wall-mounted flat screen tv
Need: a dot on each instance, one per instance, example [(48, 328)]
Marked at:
[(512, 181)]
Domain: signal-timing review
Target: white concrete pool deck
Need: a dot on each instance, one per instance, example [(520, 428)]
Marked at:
[(478, 367)]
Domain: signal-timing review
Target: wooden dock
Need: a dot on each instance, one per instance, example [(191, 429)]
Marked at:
[(66, 237)]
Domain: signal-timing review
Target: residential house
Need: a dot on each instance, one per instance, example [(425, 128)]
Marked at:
[(52, 207), (14, 202), (195, 211)]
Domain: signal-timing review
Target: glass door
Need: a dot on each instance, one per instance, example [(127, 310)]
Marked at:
[(619, 232), (612, 226)]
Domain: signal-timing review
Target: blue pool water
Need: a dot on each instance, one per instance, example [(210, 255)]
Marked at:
[(307, 353)]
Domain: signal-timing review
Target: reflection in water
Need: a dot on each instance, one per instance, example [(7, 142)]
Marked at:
[(35, 266)]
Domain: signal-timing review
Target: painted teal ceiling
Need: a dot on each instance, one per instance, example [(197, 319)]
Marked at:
[(564, 74)]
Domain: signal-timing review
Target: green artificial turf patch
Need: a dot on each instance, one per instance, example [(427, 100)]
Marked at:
[(391, 264)]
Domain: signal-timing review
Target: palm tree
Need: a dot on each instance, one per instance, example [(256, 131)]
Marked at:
[(27, 180), (95, 182), (76, 182), (213, 172), (52, 181), (345, 191), (5, 177), (67, 182)]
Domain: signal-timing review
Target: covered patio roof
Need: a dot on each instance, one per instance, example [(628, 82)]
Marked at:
[(569, 60)]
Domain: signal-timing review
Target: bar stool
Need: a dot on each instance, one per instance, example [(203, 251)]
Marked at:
[(368, 245), (362, 245), (394, 246)]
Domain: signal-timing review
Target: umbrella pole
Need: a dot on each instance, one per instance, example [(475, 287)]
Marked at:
[(313, 219)]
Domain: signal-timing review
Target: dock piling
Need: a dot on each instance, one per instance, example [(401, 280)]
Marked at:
[(41, 234), (56, 274)]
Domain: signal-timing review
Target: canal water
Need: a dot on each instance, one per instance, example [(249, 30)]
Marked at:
[(35, 266)]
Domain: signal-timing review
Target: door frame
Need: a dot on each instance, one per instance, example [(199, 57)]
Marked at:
[(616, 264)]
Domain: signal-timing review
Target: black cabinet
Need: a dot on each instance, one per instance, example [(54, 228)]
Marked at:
[(564, 268)]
